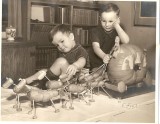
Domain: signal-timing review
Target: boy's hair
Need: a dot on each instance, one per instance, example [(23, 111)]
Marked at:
[(59, 28), (109, 7)]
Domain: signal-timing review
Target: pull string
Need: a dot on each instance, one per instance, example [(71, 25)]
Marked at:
[(98, 69), (104, 69), (47, 78)]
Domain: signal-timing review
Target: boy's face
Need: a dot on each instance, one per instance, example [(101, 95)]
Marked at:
[(64, 42), (108, 19)]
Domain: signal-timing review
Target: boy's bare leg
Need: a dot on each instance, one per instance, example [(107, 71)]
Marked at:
[(34, 77), (59, 67)]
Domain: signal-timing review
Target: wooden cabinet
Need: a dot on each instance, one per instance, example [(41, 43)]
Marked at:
[(18, 59), (45, 56)]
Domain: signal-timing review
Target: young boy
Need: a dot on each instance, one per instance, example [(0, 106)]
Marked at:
[(72, 58), (103, 37)]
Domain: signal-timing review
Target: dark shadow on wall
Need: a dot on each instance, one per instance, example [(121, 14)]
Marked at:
[(151, 60)]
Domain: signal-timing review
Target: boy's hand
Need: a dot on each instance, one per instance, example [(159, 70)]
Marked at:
[(117, 22), (71, 70), (117, 40), (106, 58)]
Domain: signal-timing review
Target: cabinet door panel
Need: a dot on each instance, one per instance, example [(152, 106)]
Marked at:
[(17, 62)]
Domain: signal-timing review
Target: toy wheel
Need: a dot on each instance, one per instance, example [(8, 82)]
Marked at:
[(88, 95), (35, 117), (64, 106), (19, 109), (71, 107), (88, 103), (30, 112), (110, 97), (15, 106), (57, 110), (92, 100), (139, 84), (80, 98), (122, 87), (119, 98), (96, 93)]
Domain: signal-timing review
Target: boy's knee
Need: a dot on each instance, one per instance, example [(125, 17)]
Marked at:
[(62, 62), (59, 66)]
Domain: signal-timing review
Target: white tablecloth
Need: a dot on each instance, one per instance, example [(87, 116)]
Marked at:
[(140, 108)]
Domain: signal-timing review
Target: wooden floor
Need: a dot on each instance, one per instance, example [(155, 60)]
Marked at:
[(136, 107)]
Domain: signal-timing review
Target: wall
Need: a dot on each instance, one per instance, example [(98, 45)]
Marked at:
[(144, 37)]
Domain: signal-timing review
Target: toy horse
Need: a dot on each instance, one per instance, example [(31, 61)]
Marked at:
[(127, 67)]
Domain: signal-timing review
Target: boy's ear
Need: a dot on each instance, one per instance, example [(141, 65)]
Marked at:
[(71, 36)]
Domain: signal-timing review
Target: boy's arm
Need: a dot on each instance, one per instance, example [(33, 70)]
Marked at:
[(121, 33), (97, 50), (105, 57), (73, 68), (80, 63)]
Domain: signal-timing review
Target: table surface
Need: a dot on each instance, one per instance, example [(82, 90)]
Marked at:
[(140, 108)]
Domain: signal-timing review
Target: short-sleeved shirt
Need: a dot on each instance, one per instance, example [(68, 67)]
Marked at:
[(74, 54), (106, 41)]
